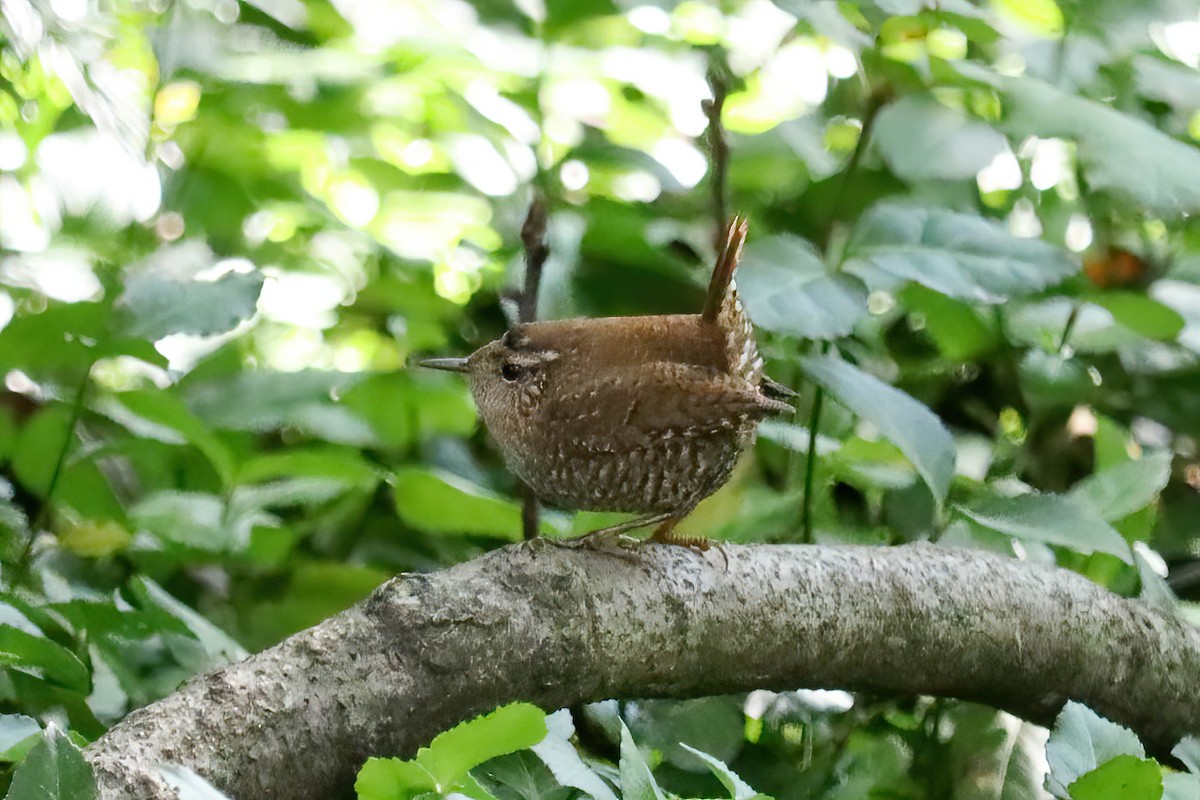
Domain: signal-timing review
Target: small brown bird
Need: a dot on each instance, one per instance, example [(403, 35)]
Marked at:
[(643, 414)]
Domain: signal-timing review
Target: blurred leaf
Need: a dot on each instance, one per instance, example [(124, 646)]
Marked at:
[(563, 761), (1054, 380), (923, 139), (958, 330), (438, 502), (960, 255), (787, 289), (53, 770), (1188, 751), (637, 781), (166, 295), (1119, 152), (1121, 490), (18, 734), (1081, 741), (1127, 777), (1050, 519), (907, 423), (214, 647), (188, 784), (39, 447), (1180, 786), (738, 789), (164, 409), (1141, 315), (34, 653), (710, 724), (261, 401), (194, 519), (520, 776), (315, 591)]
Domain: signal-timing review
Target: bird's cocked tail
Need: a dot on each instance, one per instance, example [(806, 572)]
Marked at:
[(721, 306)]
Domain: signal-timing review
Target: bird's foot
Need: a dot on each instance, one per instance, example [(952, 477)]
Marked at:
[(665, 534)]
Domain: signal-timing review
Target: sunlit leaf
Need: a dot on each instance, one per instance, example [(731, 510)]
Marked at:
[(1121, 490), (509, 728), (1127, 777), (1081, 741), (1119, 152), (923, 139), (1050, 519), (637, 781), (786, 288), (960, 255), (168, 295)]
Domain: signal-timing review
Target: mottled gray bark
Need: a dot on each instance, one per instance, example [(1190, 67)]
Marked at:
[(557, 627)]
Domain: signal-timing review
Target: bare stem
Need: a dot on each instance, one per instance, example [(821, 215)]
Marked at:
[(718, 149)]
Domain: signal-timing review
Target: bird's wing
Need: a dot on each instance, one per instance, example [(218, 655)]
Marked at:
[(628, 408)]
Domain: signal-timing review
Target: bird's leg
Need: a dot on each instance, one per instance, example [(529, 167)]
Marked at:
[(665, 534), (606, 536)]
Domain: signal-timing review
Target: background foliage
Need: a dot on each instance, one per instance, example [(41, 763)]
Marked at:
[(226, 226)]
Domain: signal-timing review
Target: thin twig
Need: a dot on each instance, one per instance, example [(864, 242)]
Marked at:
[(60, 461), (718, 149), (533, 237), (810, 466)]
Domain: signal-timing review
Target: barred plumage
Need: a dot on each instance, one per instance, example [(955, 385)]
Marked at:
[(640, 414)]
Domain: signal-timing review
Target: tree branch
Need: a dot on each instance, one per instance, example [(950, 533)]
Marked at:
[(559, 626)]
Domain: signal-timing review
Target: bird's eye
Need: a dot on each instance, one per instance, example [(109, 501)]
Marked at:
[(510, 372)]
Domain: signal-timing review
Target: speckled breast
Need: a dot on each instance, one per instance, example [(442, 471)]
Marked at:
[(669, 475)]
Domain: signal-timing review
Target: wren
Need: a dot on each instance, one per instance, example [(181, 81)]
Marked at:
[(642, 414)]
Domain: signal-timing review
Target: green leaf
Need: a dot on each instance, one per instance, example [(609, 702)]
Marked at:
[(18, 734), (215, 647), (39, 446), (958, 330), (1119, 491), (278, 400), (923, 139), (960, 255), (787, 289), (439, 502), (33, 652), (53, 770), (738, 789), (908, 424), (714, 725), (637, 781), (1124, 777), (1180, 786), (462, 748), (1142, 315), (164, 409), (1049, 519), (563, 761), (392, 779), (194, 519), (1081, 741), (1118, 151), (164, 296), (1188, 751), (1054, 380)]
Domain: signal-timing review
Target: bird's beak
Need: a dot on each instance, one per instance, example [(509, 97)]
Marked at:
[(448, 364)]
